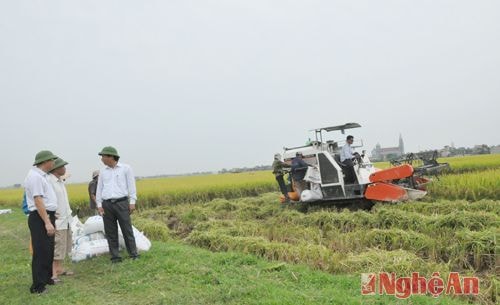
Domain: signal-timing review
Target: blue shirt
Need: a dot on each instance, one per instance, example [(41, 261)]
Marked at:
[(299, 169)]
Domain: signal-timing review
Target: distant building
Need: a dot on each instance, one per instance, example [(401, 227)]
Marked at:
[(480, 149), (495, 149), (445, 152), (387, 153)]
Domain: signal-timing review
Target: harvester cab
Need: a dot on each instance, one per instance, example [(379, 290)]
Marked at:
[(328, 179)]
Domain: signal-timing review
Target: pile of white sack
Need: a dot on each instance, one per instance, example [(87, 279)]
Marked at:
[(89, 239)]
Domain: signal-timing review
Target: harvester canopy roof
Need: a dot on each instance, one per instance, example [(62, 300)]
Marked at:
[(339, 127)]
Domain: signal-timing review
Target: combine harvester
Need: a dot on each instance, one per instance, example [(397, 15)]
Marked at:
[(326, 180)]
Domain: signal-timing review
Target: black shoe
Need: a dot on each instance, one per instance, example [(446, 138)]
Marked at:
[(135, 257), (39, 291), (116, 260), (51, 282)]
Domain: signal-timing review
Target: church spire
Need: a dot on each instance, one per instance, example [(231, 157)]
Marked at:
[(401, 144)]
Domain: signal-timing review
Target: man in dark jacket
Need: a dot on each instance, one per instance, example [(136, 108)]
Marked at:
[(278, 167), (93, 190), (299, 169)]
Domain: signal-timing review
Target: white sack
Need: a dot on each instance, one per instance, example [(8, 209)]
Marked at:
[(88, 249), (93, 224)]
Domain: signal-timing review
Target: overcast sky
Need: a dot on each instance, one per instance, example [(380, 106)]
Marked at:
[(184, 86)]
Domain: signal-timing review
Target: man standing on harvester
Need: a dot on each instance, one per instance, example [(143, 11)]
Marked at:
[(278, 166), (299, 170)]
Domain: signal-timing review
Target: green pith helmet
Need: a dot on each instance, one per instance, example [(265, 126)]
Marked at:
[(110, 151), (58, 163), (43, 156)]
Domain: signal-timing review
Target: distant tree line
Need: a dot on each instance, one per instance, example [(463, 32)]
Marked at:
[(449, 151), (246, 169)]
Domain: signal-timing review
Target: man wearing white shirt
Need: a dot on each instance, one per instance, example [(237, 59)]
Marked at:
[(346, 157), (63, 241), (347, 152), (115, 198), (42, 204)]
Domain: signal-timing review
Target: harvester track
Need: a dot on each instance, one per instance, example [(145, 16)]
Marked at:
[(350, 204)]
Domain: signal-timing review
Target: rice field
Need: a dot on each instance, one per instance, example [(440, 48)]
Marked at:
[(453, 229), (174, 190), (476, 185)]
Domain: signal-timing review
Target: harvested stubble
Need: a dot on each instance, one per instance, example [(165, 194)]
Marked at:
[(314, 255), (260, 226), (446, 207), (417, 236), (389, 239), (475, 250)]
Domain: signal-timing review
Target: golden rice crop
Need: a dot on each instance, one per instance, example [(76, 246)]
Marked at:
[(469, 186), (475, 162), (461, 164), (173, 190)]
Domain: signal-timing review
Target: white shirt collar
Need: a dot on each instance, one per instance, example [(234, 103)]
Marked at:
[(55, 178), (117, 165), (38, 170)]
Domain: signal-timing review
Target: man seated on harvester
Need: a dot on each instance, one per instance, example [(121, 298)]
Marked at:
[(347, 156)]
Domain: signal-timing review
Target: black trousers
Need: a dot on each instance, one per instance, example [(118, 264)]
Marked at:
[(118, 211), (282, 185), (349, 172), (43, 250)]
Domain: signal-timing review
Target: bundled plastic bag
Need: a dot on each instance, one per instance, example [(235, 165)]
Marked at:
[(141, 241), (311, 195), (6, 211), (26, 211), (312, 175)]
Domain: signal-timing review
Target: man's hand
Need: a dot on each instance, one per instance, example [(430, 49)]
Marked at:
[(131, 208), (101, 211), (50, 229)]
